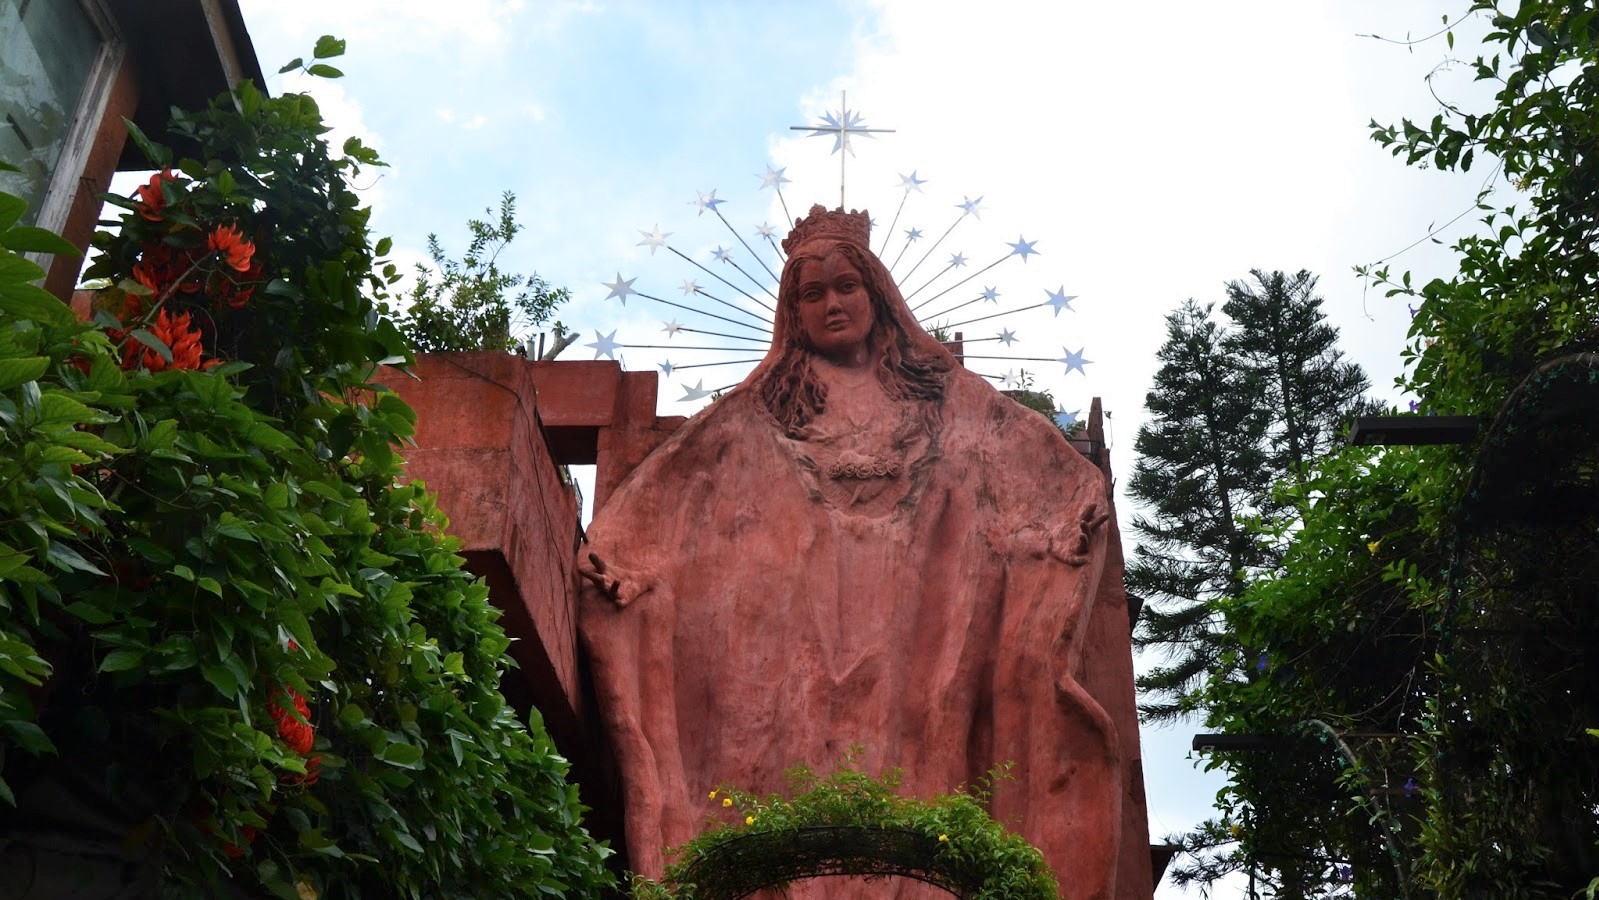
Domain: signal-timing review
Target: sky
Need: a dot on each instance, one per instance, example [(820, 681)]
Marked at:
[(1149, 153)]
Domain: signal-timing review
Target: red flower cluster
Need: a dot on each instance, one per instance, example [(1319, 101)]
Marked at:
[(235, 250), (298, 734), (151, 196), (174, 330)]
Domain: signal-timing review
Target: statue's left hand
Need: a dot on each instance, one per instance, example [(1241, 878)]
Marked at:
[(1072, 547), (621, 586)]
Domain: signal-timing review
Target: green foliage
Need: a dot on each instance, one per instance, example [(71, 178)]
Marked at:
[(471, 304), (972, 848), (1041, 402), (1443, 630), (199, 524)]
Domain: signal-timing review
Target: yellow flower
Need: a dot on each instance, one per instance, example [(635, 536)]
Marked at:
[(1373, 547), (749, 820), (713, 795), (943, 838), (727, 801)]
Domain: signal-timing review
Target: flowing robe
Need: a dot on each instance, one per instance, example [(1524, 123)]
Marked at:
[(769, 615)]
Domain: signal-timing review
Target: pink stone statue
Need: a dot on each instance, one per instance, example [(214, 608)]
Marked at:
[(861, 543)]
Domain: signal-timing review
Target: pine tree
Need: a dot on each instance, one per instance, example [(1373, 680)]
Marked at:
[(1281, 337), (1201, 469)]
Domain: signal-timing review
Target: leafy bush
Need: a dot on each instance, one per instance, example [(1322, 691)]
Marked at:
[(217, 603)]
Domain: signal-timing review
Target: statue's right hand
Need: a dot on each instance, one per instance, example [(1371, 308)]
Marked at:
[(621, 586)]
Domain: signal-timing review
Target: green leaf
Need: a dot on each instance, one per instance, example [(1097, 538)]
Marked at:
[(153, 342), (16, 371), (399, 753), (292, 64), (31, 302), (27, 239), (89, 612), (280, 288), (155, 153), (383, 247), (11, 209), (28, 736), (323, 70), (68, 559), (121, 660), (327, 47), (222, 678)]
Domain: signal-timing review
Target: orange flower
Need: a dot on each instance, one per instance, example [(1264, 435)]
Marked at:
[(237, 251), (300, 736), (236, 292), (177, 332), (152, 197)]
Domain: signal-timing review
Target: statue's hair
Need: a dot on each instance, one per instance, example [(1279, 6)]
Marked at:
[(793, 394)]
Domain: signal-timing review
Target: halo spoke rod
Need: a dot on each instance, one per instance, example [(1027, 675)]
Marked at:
[(890, 232), (747, 248), (695, 263), (736, 337), (702, 312), (729, 362), (754, 282), (956, 284), (686, 347), (734, 306), (900, 256), (998, 314), (788, 216), (929, 281), (946, 312), (934, 247), (1014, 358), (952, 343)]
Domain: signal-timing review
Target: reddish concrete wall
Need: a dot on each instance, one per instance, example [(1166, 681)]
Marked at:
[(479, 448)]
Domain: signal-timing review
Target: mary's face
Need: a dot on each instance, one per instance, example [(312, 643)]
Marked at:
[(835, 309)]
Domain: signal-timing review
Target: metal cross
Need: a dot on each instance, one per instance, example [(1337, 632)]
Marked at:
[(841, 126)]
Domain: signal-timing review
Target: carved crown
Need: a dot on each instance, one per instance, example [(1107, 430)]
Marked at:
[(854, 226)]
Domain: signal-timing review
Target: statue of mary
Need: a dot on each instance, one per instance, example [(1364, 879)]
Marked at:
[(862, 543)]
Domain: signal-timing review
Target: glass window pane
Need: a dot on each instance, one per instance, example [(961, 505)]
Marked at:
[(47, 48)]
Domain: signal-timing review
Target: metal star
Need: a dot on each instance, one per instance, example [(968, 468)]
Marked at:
[(1059, 299), (672, 328), (653, 239), (773, 178), (911, 182), (956, 260), (620, 288), (604, 344), (991, 295), (706, 201), (969, 207), (666, 368), (842, 126), (1075, 360), (689, 287), (1024, 248), (1066, 419), (1007, 337), (912, 234), (765, 230), (721, 254), (697, 392), (1009, 378)]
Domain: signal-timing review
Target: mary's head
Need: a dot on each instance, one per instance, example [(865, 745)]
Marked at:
[(837, 301)]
